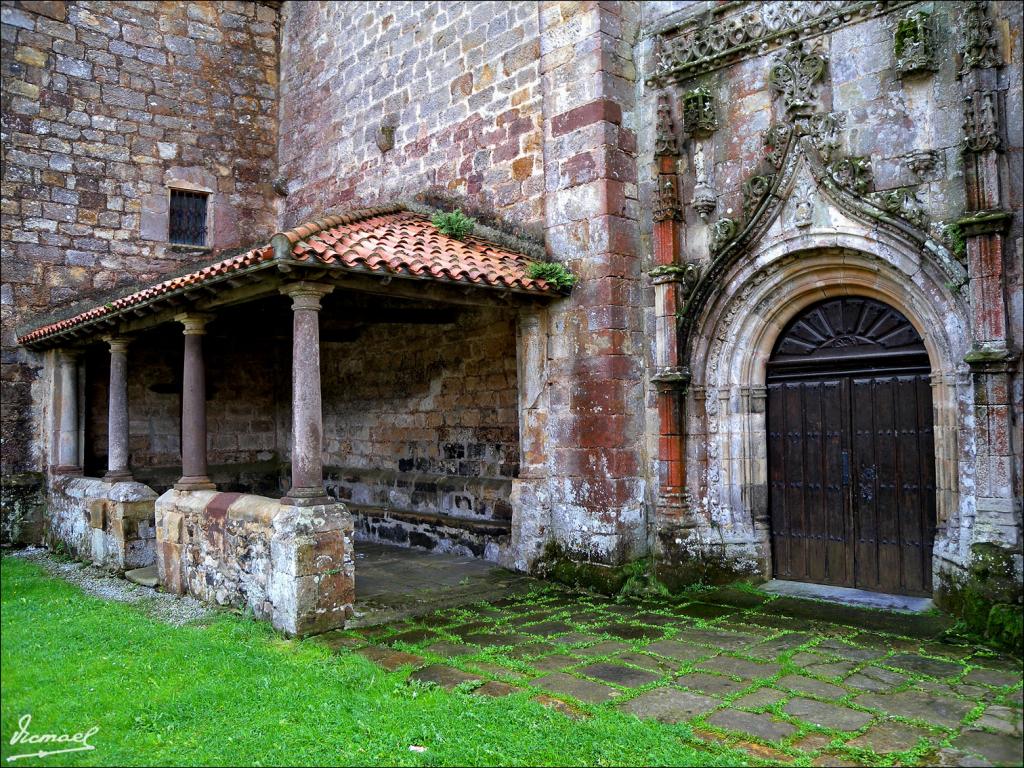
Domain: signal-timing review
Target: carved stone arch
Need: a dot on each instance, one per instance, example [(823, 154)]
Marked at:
[(798, 159), (734, 338)]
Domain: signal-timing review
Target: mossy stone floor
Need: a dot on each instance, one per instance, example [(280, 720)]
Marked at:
[(784, 679)]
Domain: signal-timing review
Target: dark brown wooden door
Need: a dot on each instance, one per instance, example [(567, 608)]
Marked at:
[(850, 450)]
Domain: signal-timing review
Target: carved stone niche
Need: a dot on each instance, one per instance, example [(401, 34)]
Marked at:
[(699, 118), (914, 44)]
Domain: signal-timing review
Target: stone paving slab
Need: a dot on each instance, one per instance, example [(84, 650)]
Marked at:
[(886, 737), (743, 668), (813, 687), (618, 674), (924, 665), (390, 659), (944, 711), (827, 715), (761, 726), (584, 690), (669, 705), (997, 748), (679, 651), (762, 697), (715, 685), (446, 677)]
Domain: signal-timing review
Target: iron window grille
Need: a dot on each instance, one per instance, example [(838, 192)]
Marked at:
[(188, 217)]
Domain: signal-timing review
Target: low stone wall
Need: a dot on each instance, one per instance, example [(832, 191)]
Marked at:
[(486, 539), (108, 524), (292, 565)]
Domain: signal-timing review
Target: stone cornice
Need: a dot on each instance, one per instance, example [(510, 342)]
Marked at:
[(725, 35)]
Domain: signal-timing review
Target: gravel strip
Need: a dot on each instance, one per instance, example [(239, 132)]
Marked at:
[(161, 606)]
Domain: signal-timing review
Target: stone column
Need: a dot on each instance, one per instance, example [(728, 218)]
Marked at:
[(307, 412), (68, 445), (194, 475), (117, 413)]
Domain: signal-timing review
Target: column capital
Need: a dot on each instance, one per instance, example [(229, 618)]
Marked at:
[(194, 322), (306, 295), (117, 343)]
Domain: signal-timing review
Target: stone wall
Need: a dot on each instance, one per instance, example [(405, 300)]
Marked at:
[(422, 417), (292, 565), (109, 525), (459, 84), (105, 104)]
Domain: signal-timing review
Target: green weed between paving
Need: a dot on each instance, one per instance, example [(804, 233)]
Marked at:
[(230, 691)]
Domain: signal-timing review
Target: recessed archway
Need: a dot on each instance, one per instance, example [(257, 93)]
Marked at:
[(726, 433)]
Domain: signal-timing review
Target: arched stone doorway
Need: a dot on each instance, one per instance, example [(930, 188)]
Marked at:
[(850, 443)]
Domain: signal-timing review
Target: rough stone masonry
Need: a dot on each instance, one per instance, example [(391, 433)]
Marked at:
[(706, 171)]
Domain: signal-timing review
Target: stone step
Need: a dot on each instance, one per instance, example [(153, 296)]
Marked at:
[(146, 577)]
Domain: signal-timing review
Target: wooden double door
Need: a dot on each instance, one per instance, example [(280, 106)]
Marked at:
[(851, 450)]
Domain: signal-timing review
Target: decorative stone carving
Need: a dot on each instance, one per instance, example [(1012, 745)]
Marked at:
[(914, 44), (754, 190), (666, 199), (722, 37), (686, 274), (921, 161), (704, 198), (794, 74), (722, 231), (776, 141), (852, 173), (980, 44), (804, 198), (902, 202), (665, 131), (699, 117), (824, 130), (981, 121)]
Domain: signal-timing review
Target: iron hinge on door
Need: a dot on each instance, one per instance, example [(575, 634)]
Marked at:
[(846, 467)]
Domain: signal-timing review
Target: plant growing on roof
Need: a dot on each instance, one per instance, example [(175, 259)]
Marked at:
[(455, 224), (553, 273)]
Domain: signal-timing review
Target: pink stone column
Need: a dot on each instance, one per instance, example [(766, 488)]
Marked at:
[(193, 407), (117, 413), (307, 413), (67, 445)]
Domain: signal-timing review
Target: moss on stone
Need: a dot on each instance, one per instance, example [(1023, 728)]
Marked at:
[(635, 578), (1005, 626)]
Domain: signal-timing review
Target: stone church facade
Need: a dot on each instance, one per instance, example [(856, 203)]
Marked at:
[(792, 349)]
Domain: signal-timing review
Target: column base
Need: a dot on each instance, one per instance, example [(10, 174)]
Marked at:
[(195, 483), (120, 476), (297, 498), (62, 469)]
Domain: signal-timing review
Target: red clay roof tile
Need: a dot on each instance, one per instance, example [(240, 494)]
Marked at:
[(391, 240)]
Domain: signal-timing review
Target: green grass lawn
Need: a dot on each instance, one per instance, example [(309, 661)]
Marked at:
[(231, 692)]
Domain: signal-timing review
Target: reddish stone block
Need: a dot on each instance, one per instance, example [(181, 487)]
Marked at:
[(587, 114)]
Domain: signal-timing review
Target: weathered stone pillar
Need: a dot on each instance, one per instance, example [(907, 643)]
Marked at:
[(307, 412), (117, 413), (193, 407), (67, 444)]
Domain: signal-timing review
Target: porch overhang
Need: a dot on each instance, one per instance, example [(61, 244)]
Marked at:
[(392, 250)]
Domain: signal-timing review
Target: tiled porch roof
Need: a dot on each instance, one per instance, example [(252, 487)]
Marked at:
[(388, 241)]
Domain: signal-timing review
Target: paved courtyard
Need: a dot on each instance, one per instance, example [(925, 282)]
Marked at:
[(785, 679)]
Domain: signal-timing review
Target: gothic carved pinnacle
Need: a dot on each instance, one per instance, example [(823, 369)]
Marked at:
[(914, 44), (665, 132), (666, 198), (794, 74), (981, 121), (980, 44), (699, 118)]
